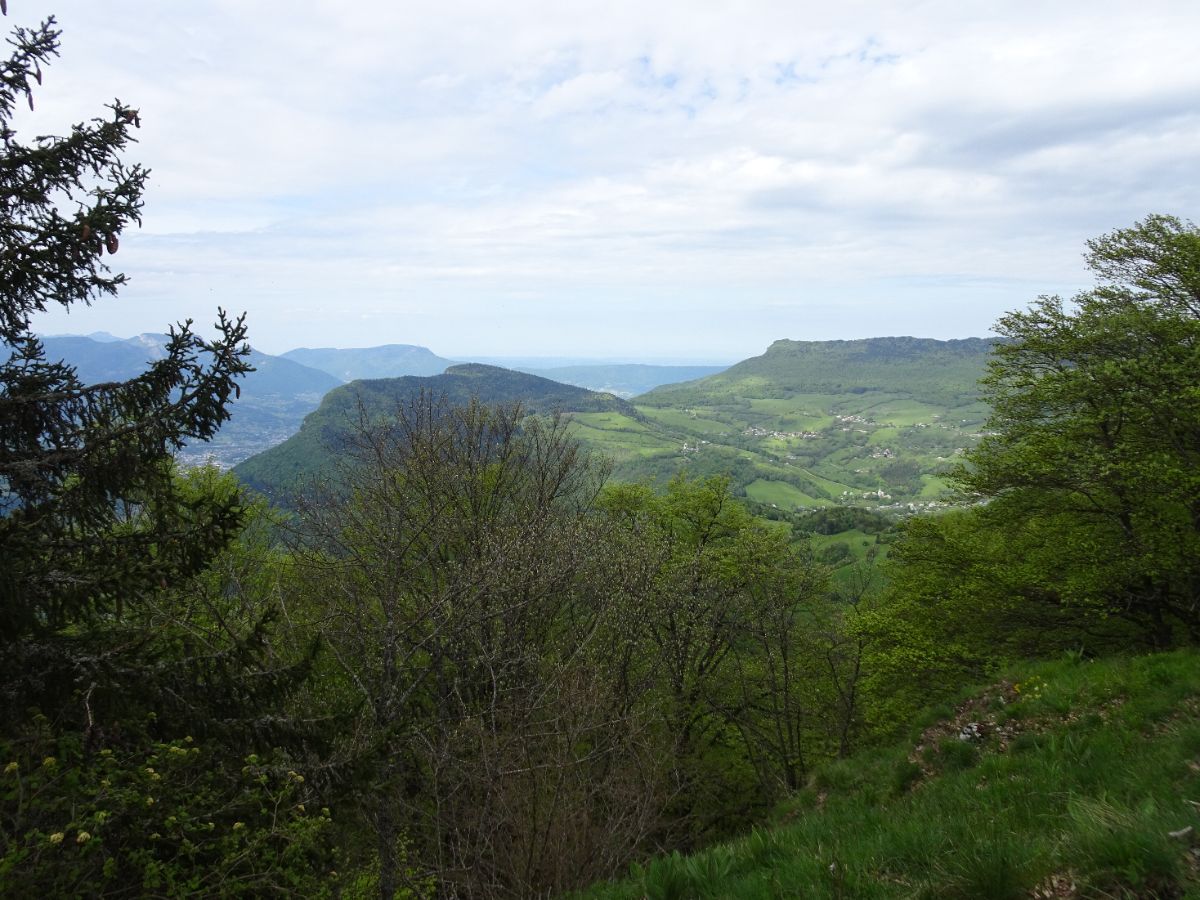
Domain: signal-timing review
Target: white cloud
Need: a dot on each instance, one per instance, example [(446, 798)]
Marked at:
[(519, 177)]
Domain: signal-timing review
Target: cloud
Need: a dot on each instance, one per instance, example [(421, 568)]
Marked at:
[(551, 175)]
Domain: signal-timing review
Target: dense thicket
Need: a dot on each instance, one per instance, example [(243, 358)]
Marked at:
[(551, 677)]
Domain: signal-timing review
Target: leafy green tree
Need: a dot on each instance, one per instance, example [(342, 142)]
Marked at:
[(467, 595), (1086, 530), (1092, 470), (736, 640), (90, 518)]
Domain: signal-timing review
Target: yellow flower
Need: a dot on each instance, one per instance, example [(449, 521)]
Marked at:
[(82, 838), (10, 768), (238, 826), (49, 762), (57, 837)]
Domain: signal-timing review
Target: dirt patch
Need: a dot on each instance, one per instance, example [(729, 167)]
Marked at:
[(975, 721)]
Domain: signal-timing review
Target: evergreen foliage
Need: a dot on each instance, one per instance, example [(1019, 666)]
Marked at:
[(131, 693), (90, 516)]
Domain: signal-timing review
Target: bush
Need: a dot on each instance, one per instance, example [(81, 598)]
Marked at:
[(158, 818)]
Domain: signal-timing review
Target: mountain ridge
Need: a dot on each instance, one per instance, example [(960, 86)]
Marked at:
[(288, 465)]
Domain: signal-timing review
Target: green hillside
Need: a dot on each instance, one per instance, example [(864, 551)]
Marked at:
[(1076, 778), (943, 372), (807, 424), (813, 423), (316, 446)]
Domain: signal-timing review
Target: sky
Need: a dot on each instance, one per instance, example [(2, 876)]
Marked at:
[(643, 180)]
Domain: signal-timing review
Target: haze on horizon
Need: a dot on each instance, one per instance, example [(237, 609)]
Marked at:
[(609, 180)]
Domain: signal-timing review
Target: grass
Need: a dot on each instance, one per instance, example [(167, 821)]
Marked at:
[(781, 494), (677, 418), (1084, 772), (721, 419)]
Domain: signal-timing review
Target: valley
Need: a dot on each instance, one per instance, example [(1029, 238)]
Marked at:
[(875, 423)]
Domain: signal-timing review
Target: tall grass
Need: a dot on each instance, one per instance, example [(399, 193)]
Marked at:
[(1094, 790)]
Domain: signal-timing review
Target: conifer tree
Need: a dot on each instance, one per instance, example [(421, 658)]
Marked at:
[(90, 514)]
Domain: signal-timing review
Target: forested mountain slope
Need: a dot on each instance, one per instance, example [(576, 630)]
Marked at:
[(316, 446), (274, 398)]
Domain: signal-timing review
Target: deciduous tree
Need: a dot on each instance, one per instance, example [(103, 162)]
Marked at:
[(1092, 470)]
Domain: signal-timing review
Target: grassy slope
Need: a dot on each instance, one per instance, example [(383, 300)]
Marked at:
[(1084, 772), (913, 404), (852, 417)]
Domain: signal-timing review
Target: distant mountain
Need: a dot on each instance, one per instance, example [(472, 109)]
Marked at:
[(102, 336), (314, 448), (932, 369), (100, 361), (387, 361), (274, 400), (874, 422), (811, 423), (541, 363), (623, 379)]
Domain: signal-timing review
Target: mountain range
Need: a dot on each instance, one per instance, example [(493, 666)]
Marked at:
[(873, 422), (284, 389)]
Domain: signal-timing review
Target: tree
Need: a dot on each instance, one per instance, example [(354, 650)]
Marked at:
[(469, 599), (1093, 466), (90, 514), (132, 700), (733, 632), (1085, 530)]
